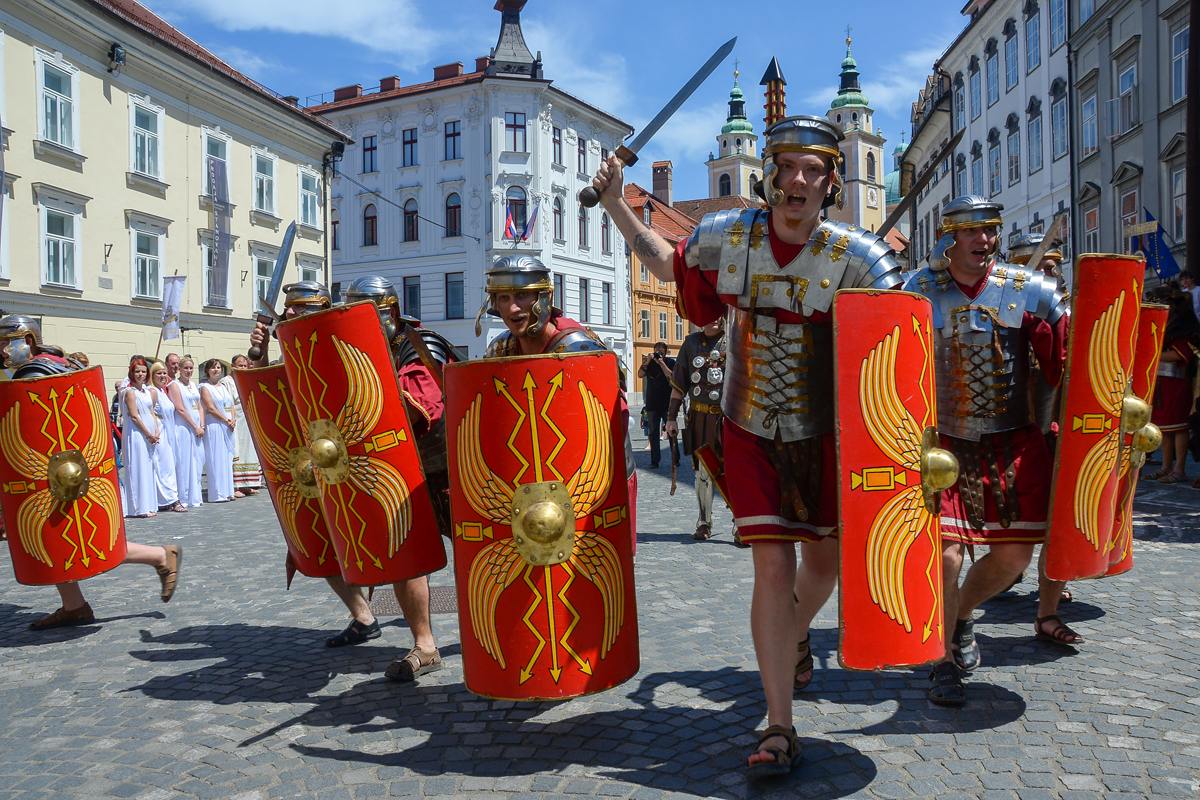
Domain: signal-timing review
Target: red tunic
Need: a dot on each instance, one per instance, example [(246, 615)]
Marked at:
[(1032, 464), (1173, 396), (754, 484)]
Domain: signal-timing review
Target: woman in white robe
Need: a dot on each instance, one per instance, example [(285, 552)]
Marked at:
[(141, 436), (247, 472), (189, 434), (219, 423), (165, 463)]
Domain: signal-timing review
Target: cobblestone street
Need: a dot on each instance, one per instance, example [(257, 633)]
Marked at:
[(228, 691)]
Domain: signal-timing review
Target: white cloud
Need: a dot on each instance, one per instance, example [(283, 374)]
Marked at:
[(894, 92), (598, 78), (247, 63)]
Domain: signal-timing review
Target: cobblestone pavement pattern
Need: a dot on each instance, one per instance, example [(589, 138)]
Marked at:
[(229, 691)]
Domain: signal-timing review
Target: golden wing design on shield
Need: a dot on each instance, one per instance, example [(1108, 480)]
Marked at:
[(289, 504), (488, 495), (589, 485), (1108, 381), (94, 450), (386, 486), (903, 517), (31, 465), (597, 560), (493, 570), (364, 394), (277, 458)]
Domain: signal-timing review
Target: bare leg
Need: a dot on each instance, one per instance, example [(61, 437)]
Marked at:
[(952, 561), (992, 574), (1181, 451), (413, 597), (816, 579), (773, 624), (71, 594), (1168, 451), (1049, 592), (353, 598), (150, 555)]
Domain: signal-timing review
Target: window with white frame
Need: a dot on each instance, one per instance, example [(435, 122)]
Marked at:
[(678, 328), (216, 146), (1087, 129), (662, 326), (146, 144), (645, 274), (1122, 112), (1011, 70), (976, 96), (264, 181), (264, 269), (960, 111), (1128, 213), (1086, 9), (59, 87), (994, 169), (1035, 143), (1179, 63), (559, 232), (560, 297), (514, 131), (585, 300), (1058, 127), (455, 301), (310, 198), (1058, 24), (408, 151), (606, 310), (644, 324), (993, 78), (60, 246), (308, 269), (960, 181), (1033, 42), (1091, 230), (1178, 203), (147, 250)]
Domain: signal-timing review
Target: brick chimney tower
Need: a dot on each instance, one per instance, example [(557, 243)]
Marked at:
[(664, 190)]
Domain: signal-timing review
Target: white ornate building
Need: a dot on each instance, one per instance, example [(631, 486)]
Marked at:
[(437, 169)]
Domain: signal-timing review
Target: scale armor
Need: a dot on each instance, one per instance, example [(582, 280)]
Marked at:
[(779, 376), (984, 369)]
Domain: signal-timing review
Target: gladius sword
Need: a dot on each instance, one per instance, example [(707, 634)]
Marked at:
[(266, 314), (628, 153), (1055, 231)]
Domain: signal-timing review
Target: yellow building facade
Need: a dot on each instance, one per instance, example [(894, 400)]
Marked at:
[(109, 115)]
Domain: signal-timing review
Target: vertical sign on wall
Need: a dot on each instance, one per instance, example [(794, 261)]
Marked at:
[(218, 281)]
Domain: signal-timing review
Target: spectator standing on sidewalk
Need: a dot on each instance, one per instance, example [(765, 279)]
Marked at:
[(656, 368)]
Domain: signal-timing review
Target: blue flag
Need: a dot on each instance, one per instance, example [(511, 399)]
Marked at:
[(1158, 255)]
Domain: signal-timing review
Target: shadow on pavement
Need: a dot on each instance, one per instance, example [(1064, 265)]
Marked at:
[(15, 632)]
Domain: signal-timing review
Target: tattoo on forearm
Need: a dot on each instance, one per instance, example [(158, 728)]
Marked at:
[(645, 246)]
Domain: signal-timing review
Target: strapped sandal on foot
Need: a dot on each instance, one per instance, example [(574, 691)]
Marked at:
[(946, 685), (805, 664), (737, 539), (1065, 597), (63, 618), (1173, 477), (967, 656), (703, 532), (417, 662), (168, 574), (1158, 473), (1060, 634), (784, 759), (355, 633)]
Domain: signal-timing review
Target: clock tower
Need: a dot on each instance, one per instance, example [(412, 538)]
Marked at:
[(862, 168), (737, 167)]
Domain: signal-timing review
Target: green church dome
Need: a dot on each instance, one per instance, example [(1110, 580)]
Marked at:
[(736, 122), (849, 93), (891, 187)]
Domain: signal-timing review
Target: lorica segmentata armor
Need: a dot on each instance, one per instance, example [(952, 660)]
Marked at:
[(779, 376)]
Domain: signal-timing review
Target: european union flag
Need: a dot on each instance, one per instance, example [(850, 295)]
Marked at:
[(1158, 255)]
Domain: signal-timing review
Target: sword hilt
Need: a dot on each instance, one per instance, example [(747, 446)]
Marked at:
[(588, 196)]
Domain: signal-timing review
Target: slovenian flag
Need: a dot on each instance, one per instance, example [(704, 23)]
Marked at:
[(510, 230), (532, 219)]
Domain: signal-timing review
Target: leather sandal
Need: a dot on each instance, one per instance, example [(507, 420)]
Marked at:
[(1058, 634), (416, 662), (703, 532), (1158, 473), (168, 574), (1173, 477), (805, 664), (63, 618), (737, 539), (967, 656), (784, 759), (355, 633), (946, 685)]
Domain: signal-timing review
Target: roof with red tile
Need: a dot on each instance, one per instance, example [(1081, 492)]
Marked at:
[(696, 209), (138, 16), (666, 221)]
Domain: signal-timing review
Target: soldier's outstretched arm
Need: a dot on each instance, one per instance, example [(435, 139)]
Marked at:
[(652, 249)]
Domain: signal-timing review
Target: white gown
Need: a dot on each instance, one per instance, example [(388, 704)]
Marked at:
[(164, 452), (189, 449), (139, 459), (218, 445)]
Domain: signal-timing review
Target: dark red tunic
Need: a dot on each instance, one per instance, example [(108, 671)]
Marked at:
[(1173, 396)]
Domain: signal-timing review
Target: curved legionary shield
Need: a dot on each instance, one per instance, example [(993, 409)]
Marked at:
[(1152, 325), (282, 446), (889, 467), (542, 539), (372, 489), (58, 478), (1106, 302)]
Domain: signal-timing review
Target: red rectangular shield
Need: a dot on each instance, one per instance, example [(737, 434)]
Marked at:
[(282, 446), (890, 592), (536, 453), (373, 492), (1152, 325), (58, 478), (1106, 302)]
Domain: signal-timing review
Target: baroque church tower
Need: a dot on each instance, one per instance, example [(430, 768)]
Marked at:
[(738, 167), (862, 166)]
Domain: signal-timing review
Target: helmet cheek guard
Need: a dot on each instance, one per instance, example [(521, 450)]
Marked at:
[(16, 352), (512, 274)]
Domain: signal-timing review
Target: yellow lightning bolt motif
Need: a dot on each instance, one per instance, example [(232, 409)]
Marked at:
[(529, 385), (527, 672), (502, 389), (556, 670), (585, 666), (556, 384)]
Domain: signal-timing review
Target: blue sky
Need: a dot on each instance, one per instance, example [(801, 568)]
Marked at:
[(625, 57)]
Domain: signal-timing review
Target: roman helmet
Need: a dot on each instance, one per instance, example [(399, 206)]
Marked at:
[(961, 213), (380, 291), (14, 349), (519, 274), (802, 134), (1022, 250), (306, 297)]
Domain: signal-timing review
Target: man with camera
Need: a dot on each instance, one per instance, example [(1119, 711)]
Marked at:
[(656, 368)]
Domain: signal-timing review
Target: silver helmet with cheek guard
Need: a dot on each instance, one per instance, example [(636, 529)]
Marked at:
[(963, 213), (14, 347), (800, 134), (512, 274)]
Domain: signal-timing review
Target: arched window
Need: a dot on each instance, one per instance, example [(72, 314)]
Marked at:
[(724, 186), (370, 226), (871, 167), (753, 180), (842, 166), (583, 227), (454, 215), (605, 240), (738, 144), (410, 221), (559, 232), (516, 210)]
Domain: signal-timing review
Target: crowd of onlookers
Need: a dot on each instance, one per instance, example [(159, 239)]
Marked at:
[(174, 424)]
